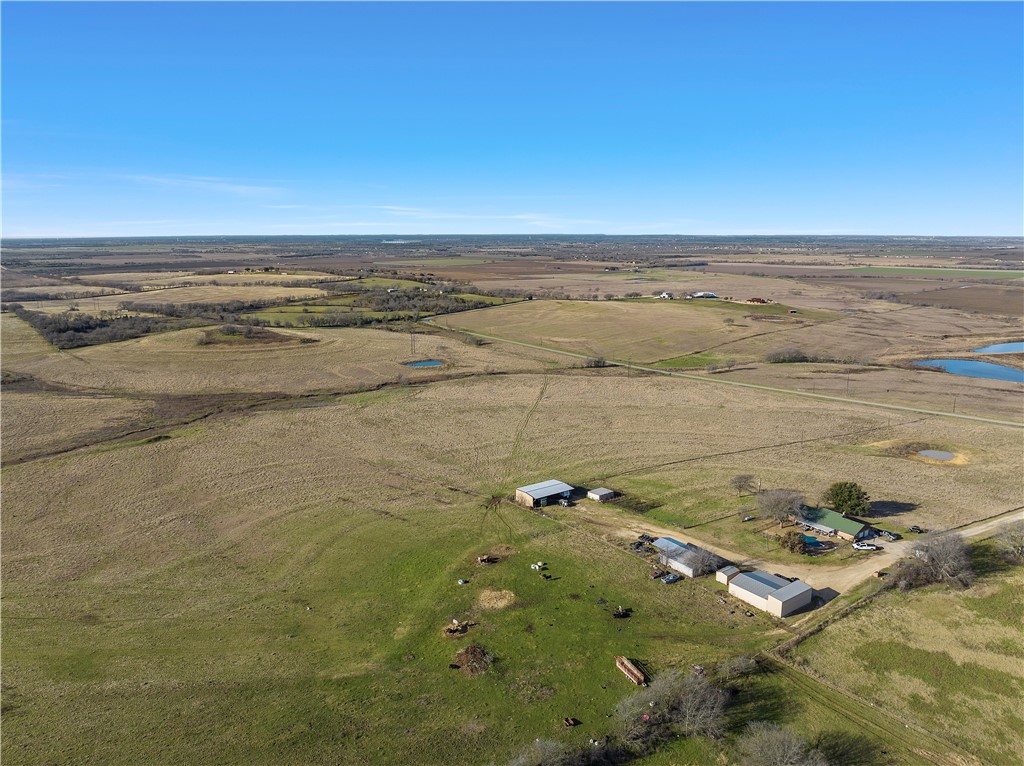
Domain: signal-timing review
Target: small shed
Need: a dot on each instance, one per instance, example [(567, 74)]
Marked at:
[(601, 494), (725, 574), (541, 493)]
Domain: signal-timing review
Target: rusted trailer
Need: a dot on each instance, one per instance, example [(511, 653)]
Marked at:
[(633, 673)]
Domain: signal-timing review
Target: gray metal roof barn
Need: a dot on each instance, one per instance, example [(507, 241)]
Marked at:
[(539, 494), (771, 593)]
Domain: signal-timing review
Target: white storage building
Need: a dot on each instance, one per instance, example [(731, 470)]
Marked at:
[(601, 494), (771, 593), (677, 555)]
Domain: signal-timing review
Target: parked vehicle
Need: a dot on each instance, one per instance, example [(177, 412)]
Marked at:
[(917, 530), (890, 535), (748, 518), (670, 579), (866, 547), (566, 502), (658, 574)]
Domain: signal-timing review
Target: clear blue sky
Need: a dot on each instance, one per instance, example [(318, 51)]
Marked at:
[(348, 118)]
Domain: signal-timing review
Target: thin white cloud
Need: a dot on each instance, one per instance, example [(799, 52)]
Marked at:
[(204, 183)]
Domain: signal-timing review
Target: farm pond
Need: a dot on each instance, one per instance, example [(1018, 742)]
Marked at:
[(973, 369), (1016, 347), (425, 363)]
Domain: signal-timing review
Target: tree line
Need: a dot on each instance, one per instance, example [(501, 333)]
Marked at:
[(73, 330)]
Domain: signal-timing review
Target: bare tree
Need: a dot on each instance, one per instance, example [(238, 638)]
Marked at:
[(702, 561), (674, 703), (736, 666), (743, 482), (779, 504), (938, 557), (766, 744), (1011, 541)]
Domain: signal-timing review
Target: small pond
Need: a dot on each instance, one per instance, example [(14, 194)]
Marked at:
[(975, 369), (425, 363), (936, 454), (813, 542), (1002, 348)]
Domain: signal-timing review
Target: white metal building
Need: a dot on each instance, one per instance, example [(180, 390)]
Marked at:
[(771, 593), (601, 494), (677, 555), (725, 574)]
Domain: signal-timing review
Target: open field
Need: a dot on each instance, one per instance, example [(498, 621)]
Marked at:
[(919, 271), (201, 294), (919, 387), (641, 331), (877, 332), (71, 289), (20, 342), (249, 618), (951, 662), (38, 422), (245, 549), (341, 360)]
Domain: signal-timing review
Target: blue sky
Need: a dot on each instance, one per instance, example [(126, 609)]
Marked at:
[(349, 118)]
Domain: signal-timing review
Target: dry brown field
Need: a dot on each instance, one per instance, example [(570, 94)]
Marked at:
[(641, 332), (652, 330), (38, 422), (659, 438), (240, 277), (140, 277), (986, 299), (70, 288), (173, 363), (919, 388), (201, 294), (20, 342)]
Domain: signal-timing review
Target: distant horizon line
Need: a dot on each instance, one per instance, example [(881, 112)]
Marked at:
[(548, 235)]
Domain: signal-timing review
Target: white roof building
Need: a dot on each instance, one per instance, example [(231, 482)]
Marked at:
[(771, 593)]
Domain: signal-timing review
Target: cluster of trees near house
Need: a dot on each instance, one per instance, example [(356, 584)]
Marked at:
[(936, 558)]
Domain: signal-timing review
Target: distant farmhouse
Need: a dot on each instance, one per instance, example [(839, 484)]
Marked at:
[(770, 593), (831, 523), (543, 493), (676, 555)]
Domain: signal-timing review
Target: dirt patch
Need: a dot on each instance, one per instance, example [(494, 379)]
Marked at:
[(473, 660), (495, 599), (495, 555), (230, 335)]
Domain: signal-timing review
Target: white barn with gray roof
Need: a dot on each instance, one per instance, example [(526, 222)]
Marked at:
[(771, 593)]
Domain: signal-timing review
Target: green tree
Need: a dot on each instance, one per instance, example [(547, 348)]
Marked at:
[(848, 497)]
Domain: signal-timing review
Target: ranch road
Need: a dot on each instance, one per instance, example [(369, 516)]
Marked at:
[(839, 578), (705, 379)]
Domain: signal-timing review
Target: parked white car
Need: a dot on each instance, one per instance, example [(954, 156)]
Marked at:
[(866, 547)]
